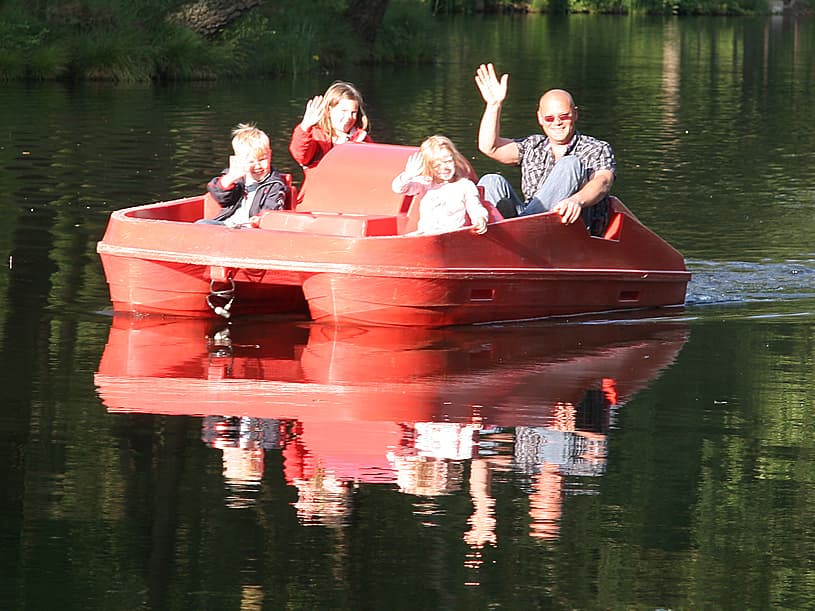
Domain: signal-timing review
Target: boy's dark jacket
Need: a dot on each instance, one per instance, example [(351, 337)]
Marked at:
[(271, 195)]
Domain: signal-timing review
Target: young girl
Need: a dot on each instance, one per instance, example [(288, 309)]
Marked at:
[(438, 173), (336, 117)]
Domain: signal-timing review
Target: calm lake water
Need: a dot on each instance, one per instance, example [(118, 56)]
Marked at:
[(646, 462)]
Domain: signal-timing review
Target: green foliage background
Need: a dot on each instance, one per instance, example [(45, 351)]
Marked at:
[(127, 41)]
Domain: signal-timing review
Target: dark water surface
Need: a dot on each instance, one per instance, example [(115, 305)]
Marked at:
[(645, 462)]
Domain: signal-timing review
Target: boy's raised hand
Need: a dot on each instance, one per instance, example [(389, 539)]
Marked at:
[(315, 108), (238, 168)]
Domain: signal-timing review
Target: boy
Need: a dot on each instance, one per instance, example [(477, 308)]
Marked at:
[(250, 184)]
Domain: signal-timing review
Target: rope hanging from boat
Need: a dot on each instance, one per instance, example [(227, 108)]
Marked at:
[(221, 300)]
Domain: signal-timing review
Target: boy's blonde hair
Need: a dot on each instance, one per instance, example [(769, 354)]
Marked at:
[(433, 146), (342, 90), (248, 139)]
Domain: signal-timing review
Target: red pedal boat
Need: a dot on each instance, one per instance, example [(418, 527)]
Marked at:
[(344, 254)]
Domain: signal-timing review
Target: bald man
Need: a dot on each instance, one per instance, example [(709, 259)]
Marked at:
[(562, 170)]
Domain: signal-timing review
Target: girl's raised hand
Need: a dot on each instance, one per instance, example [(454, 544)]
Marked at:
[(415, 165), (480, 226), (315, 108)]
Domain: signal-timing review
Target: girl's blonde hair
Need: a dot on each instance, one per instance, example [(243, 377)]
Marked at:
[(247, 138), (433, 146), (341, 90)]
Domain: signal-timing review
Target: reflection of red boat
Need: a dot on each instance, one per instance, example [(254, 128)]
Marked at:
[(342, 254), (396, 374), (352, 393)]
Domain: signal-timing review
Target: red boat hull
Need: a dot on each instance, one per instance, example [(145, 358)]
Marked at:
[(344, 256)]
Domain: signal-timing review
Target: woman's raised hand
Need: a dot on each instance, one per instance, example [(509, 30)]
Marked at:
[(493, 90), (315, 108)]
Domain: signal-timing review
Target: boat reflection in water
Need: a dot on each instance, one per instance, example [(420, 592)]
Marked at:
[(432, 412)]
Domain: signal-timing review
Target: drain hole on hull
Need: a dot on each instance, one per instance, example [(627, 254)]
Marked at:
[(482, 294), (629, 296)]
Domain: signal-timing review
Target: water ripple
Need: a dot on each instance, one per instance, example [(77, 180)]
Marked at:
[(718, 282)]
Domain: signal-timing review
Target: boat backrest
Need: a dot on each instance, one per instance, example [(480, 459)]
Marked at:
[(212, 208), (356, 179)]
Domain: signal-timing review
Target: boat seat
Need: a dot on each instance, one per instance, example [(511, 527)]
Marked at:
[(614, 226), (213, 209), (330, 223), (616, 210), (492, 210)]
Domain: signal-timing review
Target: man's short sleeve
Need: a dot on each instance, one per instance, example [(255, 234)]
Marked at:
[(597, 155)]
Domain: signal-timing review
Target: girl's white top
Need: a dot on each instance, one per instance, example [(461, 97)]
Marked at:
[(444, 206)]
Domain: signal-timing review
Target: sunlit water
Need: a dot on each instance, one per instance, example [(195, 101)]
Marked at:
[(656, 460)]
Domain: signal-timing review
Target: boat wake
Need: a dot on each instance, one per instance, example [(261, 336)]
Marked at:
[(717, 282)]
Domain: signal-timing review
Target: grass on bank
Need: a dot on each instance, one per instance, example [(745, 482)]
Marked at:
[(127, 45)]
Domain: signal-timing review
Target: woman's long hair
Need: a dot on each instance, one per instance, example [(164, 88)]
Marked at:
[(341, 90)]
